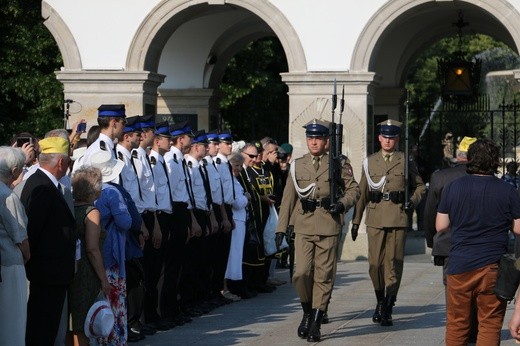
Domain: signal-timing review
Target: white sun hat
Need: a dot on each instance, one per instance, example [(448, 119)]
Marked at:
[(100, 320), (110, 168)]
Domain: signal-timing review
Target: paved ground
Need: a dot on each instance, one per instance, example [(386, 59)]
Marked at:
[(272, 318)]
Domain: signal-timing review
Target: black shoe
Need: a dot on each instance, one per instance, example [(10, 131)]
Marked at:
[(134, 336), (159, 325), (191, 312), (325, 319), (245, 294), (314, 330), (167, 323), (265, 289), (303, 328), (185, 318), (386, 315), (376, 317), (147, 330)]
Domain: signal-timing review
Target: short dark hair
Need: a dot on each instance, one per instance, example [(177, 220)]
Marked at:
[(483, 157), (93, 134)]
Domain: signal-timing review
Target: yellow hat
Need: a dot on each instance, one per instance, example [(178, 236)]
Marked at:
[(466, 142), (54, 145)]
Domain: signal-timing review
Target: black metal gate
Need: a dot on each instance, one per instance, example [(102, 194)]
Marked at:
[(443, 124)]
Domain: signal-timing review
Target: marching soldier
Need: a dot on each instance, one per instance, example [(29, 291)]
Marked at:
[(317, 224), (382, 188)]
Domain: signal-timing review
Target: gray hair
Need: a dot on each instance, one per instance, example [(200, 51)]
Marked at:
[(10, 158), (62, 133), (50, 159), (236, 158), (86, 184)]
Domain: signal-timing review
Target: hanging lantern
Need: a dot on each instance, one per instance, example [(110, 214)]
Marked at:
[(459, 77)]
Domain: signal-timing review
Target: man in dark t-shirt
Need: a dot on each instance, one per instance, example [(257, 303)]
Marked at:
[(479, 209)]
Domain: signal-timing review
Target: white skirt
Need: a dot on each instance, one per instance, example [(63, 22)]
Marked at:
[(13, 303), (236, 251)]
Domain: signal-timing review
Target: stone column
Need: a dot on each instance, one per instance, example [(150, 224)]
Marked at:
[(89, 89)]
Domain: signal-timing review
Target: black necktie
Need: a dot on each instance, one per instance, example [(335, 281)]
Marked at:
[(137, 176), (205, 181), (187, 181), (167, 178), (232, 180)]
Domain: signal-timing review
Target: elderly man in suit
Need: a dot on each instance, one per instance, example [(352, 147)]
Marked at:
[(317, 224), (52, 242), (382, 188)]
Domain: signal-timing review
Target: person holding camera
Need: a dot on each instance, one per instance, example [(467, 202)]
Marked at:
[(317, 225), (382, 187)]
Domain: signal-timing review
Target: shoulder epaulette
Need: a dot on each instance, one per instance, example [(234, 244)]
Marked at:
[(218, 161), (175, 158), (102, 145), (153, 160), (120, 156), (134, 154), (204, 162), (190, 164)]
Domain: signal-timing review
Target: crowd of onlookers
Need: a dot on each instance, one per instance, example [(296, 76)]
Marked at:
[(155, 220)]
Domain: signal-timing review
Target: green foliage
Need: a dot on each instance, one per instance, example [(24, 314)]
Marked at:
[(30, 95), (255, 102), (428, 125), (422, 76)]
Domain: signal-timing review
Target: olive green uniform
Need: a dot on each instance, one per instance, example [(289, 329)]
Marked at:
[(316, 231), (386, 219)]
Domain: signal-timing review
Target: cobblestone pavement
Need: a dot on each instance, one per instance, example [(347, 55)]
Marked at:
[(272, 318)]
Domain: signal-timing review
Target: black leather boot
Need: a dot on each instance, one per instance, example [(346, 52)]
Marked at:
[(314, 330), (303, 329), (386, 316), (325, 319), (376, 317)]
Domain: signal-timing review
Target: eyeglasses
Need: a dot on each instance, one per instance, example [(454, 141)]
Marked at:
[(251, 156)]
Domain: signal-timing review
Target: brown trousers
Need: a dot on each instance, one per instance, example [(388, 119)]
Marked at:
[(386, 258), (474, 287), (315, 268)]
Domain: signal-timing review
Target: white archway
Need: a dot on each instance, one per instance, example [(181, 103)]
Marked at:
[(146, 47), (400, 30)]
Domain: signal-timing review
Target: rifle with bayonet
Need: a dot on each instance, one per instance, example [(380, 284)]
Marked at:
[(407, 204), (336, 158)]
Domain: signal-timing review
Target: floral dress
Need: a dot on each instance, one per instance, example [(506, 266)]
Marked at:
[(116, 219)]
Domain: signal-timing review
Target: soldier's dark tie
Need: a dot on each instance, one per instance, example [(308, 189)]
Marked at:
[(316, 163)]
